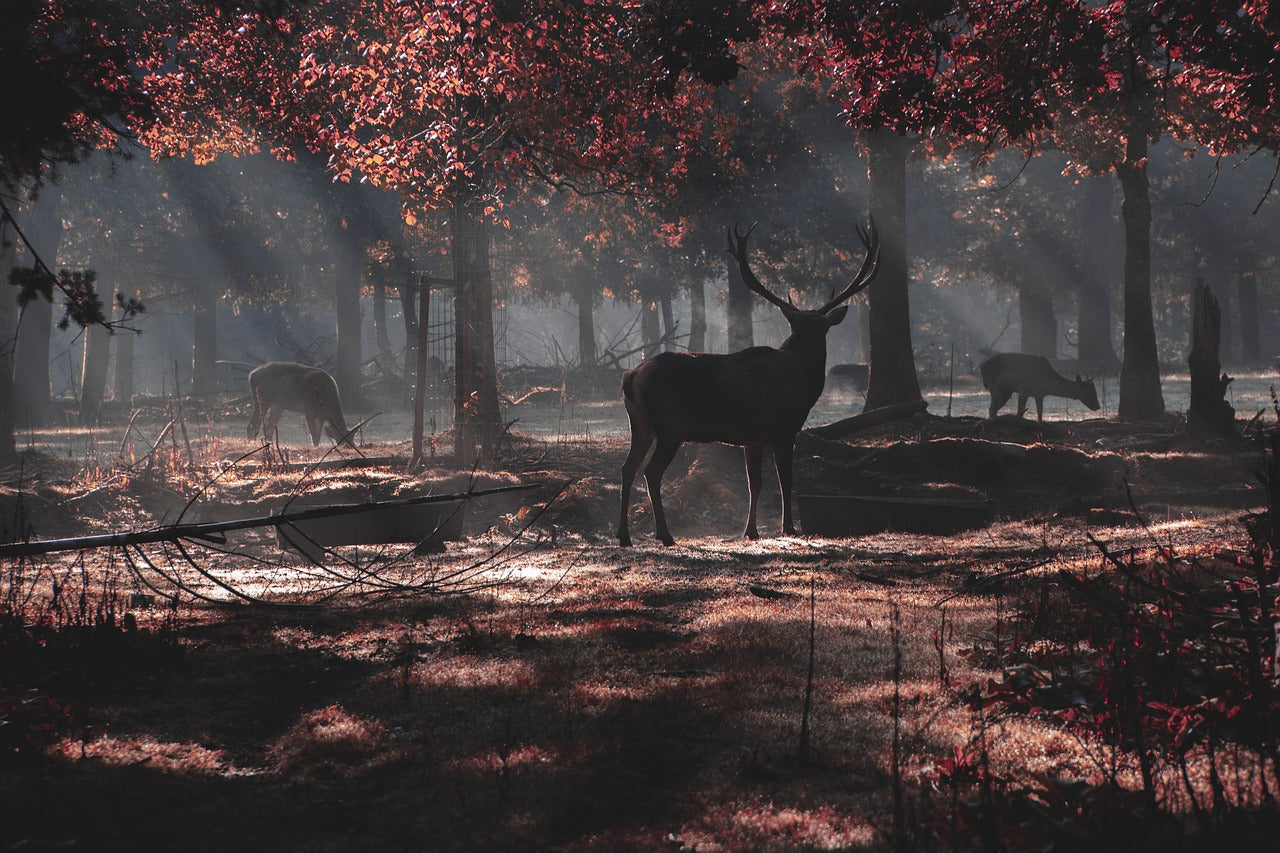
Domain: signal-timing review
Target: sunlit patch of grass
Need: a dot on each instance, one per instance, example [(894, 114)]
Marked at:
[(164, 756), (330, 740), (475, 673), (763, 825), (515, 758)]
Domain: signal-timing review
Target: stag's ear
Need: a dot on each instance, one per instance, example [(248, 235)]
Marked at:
[(835, 315)]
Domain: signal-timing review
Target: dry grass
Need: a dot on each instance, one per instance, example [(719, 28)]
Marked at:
[(592, 698)]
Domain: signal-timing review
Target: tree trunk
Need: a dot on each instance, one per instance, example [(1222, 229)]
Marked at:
[(93, 369), (476, 415), (1247, 305), (381, 336), (668, 320), (42, 223), (1093, 342), (1140, 395), (585, 299), (31, 400), (347, 370), (738, 307), (892, 362), (649, 331), (204, 367), (408, 308), (1039, 325), (124, 367), (1208, 414), (697, 316), (8, 323)]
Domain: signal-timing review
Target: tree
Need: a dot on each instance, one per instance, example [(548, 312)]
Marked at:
[(453, 107)]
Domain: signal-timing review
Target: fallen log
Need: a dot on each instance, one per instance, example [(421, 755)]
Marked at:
[(212, 531), (866, 420)]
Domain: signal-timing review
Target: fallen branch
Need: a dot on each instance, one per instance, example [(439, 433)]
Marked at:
[(213, 530), (866, 420)]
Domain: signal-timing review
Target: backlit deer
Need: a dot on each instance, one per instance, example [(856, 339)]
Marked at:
[(1009, 373), (756, 398), (281, 386)]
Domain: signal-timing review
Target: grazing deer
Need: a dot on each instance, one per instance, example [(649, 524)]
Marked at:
[(1009, 373), (754, 398), (281, 386)]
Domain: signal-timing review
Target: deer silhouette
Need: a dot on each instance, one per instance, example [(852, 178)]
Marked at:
[(755, 398)]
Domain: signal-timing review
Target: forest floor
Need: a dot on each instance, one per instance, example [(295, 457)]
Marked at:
[(537, 687)]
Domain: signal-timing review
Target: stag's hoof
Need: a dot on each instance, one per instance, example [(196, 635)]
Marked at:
[(624, 540), (666, 540)]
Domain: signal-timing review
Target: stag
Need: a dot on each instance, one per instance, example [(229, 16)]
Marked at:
[(756, 398)]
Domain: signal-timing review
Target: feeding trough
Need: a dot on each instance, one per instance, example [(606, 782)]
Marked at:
[(851, 515), (371, 524)]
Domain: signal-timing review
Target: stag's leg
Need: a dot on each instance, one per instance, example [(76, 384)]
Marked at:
[(783, 452), (662, 456), (998, 399), (1040, 409), (752, 456), (641, 439), (1022, 404)]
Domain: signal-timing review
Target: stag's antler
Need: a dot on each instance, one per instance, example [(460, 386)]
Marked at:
[(738, 248), (871, 240)]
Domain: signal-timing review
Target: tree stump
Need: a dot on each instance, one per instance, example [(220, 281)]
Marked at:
[(1209, 414)]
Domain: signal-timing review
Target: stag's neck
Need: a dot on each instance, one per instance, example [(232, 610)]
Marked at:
[(812, 353)]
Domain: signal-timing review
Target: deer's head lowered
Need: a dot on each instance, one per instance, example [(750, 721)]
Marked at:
[(756, 398)]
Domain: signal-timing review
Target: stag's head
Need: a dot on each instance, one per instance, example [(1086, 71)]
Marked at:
[(810, 322)]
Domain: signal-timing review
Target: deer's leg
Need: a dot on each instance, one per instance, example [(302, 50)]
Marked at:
[(662, 456), (1040, 409), (998, 399), (255, 421), (270, 428), (1022, 404), (641, 439), (783, 452), (752, 456), (316, 425)]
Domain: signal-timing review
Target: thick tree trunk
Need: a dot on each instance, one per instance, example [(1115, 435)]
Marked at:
[(1208, 414), (892, 377), (1247, 305), (93, 369), (697, 316), (31, 400), (738, 307), (8, 331), (476, 414), (1140, 395), (1039, 325), (347, 370), (42, 223), (1094, 344), (204, 367)]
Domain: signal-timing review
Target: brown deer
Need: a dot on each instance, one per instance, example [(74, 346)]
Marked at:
[(756, 398), (281, 386), (1009, 373)]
